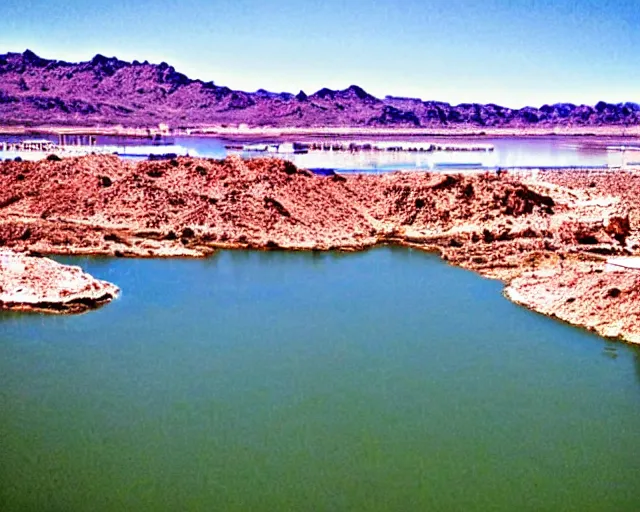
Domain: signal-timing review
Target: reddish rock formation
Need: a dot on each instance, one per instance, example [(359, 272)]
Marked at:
[(182, 207), (624, 185), (188, 207), (39, 284)]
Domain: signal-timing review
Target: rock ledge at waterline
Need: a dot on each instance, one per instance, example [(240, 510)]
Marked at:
[(37, 284)]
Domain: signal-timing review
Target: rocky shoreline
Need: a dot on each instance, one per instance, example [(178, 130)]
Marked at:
[(587, 295), (37, 284), (539, 234)]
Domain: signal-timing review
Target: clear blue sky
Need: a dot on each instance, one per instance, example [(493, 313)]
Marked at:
[(512, 52)]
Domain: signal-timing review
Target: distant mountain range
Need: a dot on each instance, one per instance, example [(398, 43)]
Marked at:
[(108, 91)]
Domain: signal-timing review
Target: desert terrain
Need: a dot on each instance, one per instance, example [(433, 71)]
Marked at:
[(546, 235)]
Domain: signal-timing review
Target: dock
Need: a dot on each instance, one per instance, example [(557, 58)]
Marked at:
[(281, 148), (396, 146), (39, 149), (362, 146)]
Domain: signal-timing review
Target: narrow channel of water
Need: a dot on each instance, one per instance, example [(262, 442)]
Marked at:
[(378, 381)]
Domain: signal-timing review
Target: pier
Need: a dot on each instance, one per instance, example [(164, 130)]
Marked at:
[(397, 146), (38, 149), (362, 146)]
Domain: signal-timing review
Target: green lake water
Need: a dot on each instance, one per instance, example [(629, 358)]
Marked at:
[(379, 381)]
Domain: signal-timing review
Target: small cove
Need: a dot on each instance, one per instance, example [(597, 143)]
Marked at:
[(382, 380)]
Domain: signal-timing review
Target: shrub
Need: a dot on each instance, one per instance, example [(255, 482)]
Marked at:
[(105, 181), (290, 168)]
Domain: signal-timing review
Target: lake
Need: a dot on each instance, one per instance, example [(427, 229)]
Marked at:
[(379, 381), (552, 151)]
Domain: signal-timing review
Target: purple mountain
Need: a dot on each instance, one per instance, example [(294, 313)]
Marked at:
[(106, 91)]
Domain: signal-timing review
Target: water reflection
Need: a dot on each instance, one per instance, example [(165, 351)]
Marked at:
[(636, 359), (610, 350)]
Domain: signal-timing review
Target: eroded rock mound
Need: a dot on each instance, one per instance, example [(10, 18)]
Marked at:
[(29, 283), (230, 203), (189, 207)]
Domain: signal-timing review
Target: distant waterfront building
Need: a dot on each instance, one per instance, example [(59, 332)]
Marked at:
[(41, 145)]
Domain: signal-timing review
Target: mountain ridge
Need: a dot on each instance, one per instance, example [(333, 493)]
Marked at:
[(110, 91)]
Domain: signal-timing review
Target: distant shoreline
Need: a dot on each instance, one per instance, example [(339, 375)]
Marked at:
[(257, 132)]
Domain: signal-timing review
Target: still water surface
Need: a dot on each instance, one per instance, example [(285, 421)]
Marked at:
[(378, 381), (538, 151)]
